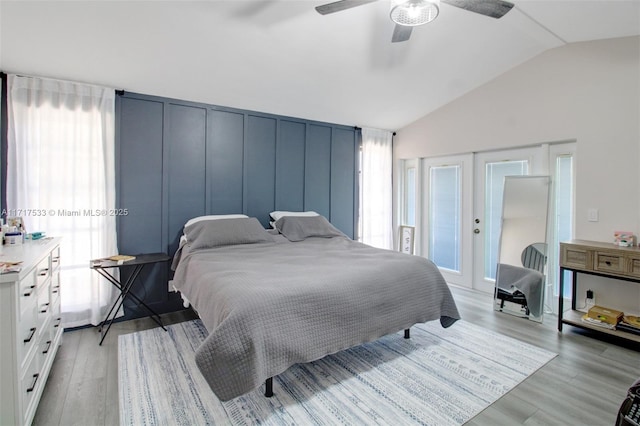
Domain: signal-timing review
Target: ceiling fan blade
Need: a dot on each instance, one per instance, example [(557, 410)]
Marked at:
[(401, 33), (341, 5), (492, 8)]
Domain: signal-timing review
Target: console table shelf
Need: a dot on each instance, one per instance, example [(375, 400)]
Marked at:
[(600, 259), (574, 318)]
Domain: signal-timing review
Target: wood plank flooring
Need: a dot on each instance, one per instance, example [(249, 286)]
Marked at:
[(584, 385)]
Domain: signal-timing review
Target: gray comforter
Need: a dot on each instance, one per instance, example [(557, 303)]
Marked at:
[(270, 305)]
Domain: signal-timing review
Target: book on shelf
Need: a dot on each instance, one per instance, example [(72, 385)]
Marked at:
[(121, 258), (631, 321), (596, 322)]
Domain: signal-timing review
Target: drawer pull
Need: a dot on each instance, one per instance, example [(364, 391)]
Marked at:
[(48, 347), (58, 324), (55, 289), (608, 263), (35, 380), (30, 292), (44, 272), (45, 308), (32, 331)]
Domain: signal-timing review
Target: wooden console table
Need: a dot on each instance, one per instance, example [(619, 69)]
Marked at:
[(600, 259)]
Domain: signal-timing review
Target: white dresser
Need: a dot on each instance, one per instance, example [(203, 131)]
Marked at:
[(30, 330)]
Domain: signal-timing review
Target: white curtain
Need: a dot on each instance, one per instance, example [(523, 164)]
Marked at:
[(376, 190), (61, 180)]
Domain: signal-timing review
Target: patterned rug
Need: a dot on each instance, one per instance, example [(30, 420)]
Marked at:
[(438, 377)]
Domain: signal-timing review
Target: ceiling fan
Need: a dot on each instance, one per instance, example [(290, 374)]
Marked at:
[(410, 13)]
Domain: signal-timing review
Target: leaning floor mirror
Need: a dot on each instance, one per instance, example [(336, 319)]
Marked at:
[(522, 256)]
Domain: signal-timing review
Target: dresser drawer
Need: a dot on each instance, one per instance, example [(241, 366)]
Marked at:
[(575, 257), (55, 284), (43, 307), (54, 326), (28, 332), (56, 317), (27, 290), (608, 262), (42, 272), (44, 346), (55, 259), (633, 266), (30, 381)]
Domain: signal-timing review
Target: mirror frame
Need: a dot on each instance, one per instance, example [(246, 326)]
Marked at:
[(524, 222)]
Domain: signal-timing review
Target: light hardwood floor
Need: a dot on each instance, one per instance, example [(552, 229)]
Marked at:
[(583, 385)]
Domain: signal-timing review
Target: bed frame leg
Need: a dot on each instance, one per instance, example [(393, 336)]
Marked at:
[(268, 387), (407, 334)]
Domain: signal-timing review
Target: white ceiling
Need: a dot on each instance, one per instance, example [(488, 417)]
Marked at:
[(282, 57)]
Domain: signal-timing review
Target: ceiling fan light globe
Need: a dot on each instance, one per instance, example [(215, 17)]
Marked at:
[(412, 13)]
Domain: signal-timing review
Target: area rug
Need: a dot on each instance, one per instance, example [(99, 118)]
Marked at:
[(437, 377)]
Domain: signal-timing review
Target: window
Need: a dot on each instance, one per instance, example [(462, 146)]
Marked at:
[(495, 173), (444, 216), (562, 162), (376, 188), (410, 211), (64, 132)]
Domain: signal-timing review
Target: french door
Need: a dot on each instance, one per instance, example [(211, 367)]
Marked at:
[(462, 210), (490, 170), (447, 219)]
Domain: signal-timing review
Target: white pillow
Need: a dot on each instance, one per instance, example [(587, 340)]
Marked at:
[(214, 217), (278, 214)]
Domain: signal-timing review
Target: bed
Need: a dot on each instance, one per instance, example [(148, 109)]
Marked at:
[(271, 301)]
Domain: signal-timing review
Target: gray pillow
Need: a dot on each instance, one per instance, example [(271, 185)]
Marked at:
[(225, 232), (298, 228)]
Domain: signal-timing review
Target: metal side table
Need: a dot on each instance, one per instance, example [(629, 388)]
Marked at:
[(103, 265)]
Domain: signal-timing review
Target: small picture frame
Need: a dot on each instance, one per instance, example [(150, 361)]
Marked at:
[(406, 239), (16, 221)]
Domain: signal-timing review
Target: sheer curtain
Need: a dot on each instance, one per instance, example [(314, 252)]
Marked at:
[(376, 191), (61, 179)]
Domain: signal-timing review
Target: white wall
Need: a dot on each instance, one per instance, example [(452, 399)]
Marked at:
[(588, 92)]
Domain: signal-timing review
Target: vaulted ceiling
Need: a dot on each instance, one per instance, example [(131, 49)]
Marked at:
[(282, 57)]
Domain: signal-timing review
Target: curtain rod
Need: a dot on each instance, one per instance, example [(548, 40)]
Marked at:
[(360, 128), (5, 75)]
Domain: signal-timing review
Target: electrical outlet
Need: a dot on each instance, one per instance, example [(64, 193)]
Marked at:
[(590, 300)]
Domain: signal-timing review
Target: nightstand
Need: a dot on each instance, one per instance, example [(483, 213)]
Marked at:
[(102, 266)]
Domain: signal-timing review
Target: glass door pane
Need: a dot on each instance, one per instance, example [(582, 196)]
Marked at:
[(410, 211), (447, 232), (444, 217), (494, 186), (563, 214)]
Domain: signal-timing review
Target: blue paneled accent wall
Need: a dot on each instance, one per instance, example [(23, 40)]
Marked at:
[(179, 159)]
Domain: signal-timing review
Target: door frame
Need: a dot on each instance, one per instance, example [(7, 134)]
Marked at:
[(535, 157), (463, 277), (540, 157)]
